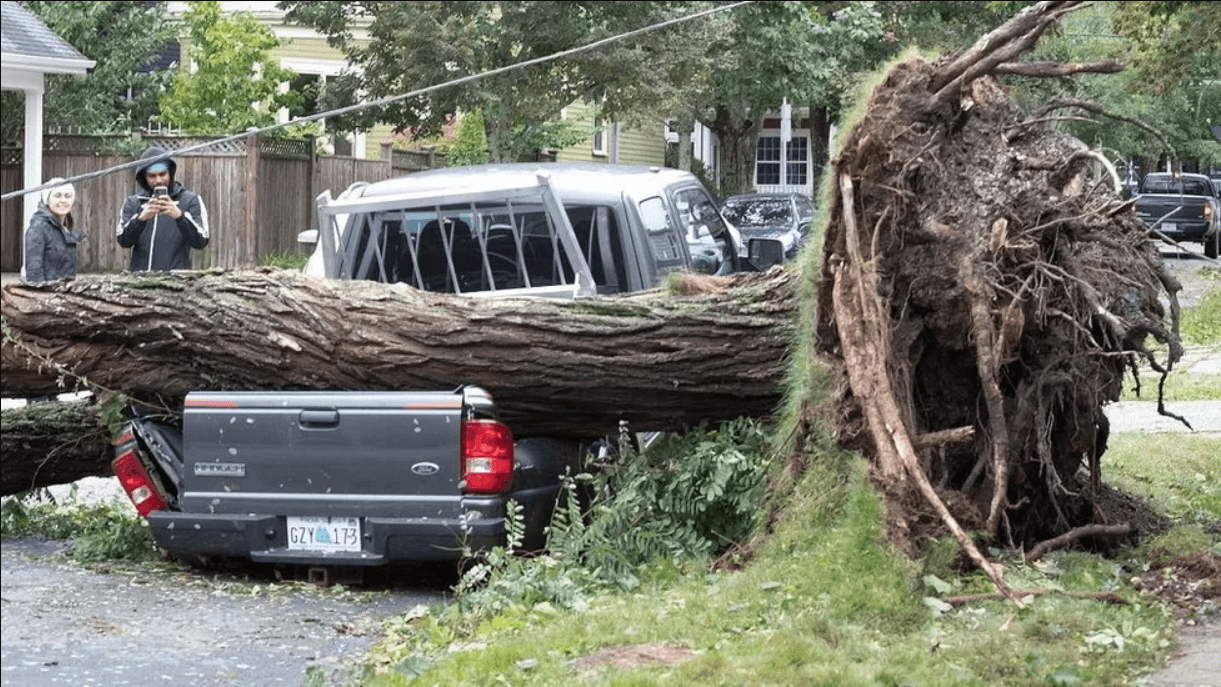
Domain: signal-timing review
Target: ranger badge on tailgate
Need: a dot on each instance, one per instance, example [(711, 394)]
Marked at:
[(220, 469)]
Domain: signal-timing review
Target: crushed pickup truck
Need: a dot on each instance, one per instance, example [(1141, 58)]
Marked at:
[(1183, 207), (343, 480), (337, 479)]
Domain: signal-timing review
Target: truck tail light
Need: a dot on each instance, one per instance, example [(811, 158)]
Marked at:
[(1207, 212), (136, 481), (487, 456)]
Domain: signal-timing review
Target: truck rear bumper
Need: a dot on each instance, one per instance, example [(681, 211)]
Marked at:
[(1185, 230), (264, 538)]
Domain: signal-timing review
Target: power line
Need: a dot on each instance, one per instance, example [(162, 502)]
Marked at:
[(392, 99)]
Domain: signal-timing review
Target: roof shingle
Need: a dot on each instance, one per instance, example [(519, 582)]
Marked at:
[(23, 33)]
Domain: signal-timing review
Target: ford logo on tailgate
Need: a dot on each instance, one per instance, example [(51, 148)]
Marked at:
[(425, 469)]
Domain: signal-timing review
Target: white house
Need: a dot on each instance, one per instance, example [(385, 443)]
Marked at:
[(28, 52), (783, 161)]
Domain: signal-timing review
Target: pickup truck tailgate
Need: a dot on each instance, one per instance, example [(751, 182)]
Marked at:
[(322, 453)]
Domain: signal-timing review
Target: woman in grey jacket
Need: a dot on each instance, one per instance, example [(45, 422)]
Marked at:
[(165, 221), (50, 240)]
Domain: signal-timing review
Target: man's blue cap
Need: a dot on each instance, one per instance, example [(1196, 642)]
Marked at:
[(158, 167)]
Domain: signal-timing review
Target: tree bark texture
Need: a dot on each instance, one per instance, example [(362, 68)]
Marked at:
[(43, 444), (657, 360)]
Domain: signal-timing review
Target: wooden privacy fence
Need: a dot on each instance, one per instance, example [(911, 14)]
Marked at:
[(259, 194)]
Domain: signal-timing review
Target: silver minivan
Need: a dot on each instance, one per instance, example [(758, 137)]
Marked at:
[(547, 229)]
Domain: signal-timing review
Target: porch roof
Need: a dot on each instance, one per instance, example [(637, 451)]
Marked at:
[(26, 44)]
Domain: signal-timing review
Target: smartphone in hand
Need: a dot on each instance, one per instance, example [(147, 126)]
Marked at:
[(160, 191)]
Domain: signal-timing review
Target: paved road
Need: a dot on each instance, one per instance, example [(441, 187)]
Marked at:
[(65, 625)]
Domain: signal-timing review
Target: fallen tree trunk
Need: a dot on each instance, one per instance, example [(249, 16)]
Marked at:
[(43, 444), (656, 360)]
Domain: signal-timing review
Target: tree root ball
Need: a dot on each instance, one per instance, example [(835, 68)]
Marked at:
[(1013, 289)]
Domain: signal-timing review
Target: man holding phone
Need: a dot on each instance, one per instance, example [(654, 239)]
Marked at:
[(165, 220)]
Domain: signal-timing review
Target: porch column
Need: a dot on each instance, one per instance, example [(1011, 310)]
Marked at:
[(32, 158)]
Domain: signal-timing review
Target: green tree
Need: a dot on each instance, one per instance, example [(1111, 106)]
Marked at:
[(1171, 81), (809, 53), (415, 45), (1170, 41), (470, 142), (945, 27), (1174, 51), (121, 91), (233, 83)]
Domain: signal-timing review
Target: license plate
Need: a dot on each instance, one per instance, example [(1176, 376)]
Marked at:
[(1169, 226), (323, 533)]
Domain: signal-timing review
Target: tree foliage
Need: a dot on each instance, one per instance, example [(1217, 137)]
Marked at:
[(1169, 42), (1174, 50), (945, 27), (417, 45), (121, 91), (233, 83), (809, 53), (1170, 51), (470, 141)]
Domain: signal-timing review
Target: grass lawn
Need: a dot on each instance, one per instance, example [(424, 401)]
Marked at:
[(1200, 328), (826, 602)]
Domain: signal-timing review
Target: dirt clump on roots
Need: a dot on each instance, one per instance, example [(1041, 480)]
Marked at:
[(984, 291)]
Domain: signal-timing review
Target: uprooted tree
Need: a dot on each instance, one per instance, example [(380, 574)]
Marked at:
[(982, 292)]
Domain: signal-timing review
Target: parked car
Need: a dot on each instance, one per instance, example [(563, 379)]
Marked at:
[(783, 216)]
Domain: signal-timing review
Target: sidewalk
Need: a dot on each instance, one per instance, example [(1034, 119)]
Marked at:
[(1142, 416)]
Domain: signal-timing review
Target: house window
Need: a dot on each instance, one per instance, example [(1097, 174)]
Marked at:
[(798, 154), (599, 136), (795, 170), (767, 161)]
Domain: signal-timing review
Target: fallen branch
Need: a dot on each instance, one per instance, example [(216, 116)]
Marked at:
[(1109, 597), (1074, 535), (720, 351)]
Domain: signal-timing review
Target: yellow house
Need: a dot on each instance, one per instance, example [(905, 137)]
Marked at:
[(613, 142)]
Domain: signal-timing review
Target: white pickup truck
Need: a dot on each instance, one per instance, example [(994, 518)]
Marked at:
[(558, 230)]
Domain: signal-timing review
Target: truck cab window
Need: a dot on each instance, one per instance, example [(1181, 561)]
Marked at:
[(662, 234)]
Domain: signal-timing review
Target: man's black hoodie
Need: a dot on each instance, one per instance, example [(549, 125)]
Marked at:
[(162, 243)]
